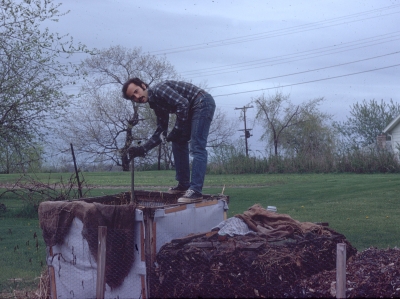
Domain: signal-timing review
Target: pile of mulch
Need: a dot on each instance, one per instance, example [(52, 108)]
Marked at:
[(211, 265), (372, 273)]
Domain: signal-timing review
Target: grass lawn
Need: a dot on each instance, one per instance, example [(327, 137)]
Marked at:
[(22, 254), (364, 208)]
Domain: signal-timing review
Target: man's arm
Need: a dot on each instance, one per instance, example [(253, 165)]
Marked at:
[(162, 127)]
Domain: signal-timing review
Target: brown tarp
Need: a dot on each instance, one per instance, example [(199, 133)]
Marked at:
[(276, 226), (56, 219)]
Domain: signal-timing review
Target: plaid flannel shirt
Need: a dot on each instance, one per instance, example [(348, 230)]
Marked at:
[(170, 97)]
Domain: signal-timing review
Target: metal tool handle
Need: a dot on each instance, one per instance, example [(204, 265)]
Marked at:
[(132, 181), (133, 178)]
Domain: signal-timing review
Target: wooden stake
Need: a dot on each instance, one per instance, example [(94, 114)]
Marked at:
[(76, 172), (101, 262), (341, 270)]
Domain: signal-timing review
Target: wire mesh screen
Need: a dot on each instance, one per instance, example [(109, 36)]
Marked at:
[(179, 251), (131, 250), (198, 265), (73, 266)]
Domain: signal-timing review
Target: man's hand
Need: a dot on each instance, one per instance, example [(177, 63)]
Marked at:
[(174, 135), (136, 151), (178, 135)]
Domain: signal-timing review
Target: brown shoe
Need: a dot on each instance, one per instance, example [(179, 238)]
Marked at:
[(177, 189)]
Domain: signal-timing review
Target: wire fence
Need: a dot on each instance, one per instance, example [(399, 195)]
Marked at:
[(200, 265), (209, 264), (22, 257)]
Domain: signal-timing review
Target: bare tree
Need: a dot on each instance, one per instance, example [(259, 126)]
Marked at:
[(101, 128), (221, 130), (274, 117), (104, 125)]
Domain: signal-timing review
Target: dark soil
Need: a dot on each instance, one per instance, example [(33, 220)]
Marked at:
[(372, 273), (248, 266), (242, 266)]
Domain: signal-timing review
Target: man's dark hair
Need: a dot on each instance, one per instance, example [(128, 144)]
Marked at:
[(135, 81)]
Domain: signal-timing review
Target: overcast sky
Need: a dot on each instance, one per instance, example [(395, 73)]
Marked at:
[(344, 51)]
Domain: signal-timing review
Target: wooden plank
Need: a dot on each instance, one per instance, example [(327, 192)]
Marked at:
[(143, 283), (149, 254), (52, 274), (53, 289), (142, 256), (341, 270), (154, 243), (206, 203), (101, 262), (175, 209)]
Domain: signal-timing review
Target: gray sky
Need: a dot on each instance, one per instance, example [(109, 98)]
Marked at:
[(257, 46)]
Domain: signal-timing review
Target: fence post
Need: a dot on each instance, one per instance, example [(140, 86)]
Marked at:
[(341, 270), (101, 262)]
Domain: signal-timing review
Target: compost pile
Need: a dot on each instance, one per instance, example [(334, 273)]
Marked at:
[(372, 273), (264, 263)]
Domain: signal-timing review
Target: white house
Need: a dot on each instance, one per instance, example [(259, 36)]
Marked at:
[(393, 130)]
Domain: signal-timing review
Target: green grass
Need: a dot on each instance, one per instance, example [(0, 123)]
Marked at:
[(155, 178), (21, 258), (363, 207)]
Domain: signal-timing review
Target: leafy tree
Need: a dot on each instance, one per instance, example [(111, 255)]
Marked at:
[(13, 160), (32, 74), (366, 121), (312, 136), (280, 120)]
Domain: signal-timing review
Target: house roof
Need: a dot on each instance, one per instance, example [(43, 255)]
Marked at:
[(392, 125)]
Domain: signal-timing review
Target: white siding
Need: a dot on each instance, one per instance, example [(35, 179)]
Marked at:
[(396, 138)]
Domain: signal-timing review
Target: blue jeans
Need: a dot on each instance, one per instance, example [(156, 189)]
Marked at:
[(200, 115)]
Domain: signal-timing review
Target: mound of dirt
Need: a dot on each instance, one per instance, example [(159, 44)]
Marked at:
[(265, 263), (372, 273)]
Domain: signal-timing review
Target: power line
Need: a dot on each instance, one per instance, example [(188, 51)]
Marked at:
[(309, 71), (281, 59), (279, 32), (312, 81), (268, 36)]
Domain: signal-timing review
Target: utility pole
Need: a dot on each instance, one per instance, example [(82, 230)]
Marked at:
[(246, 131)]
